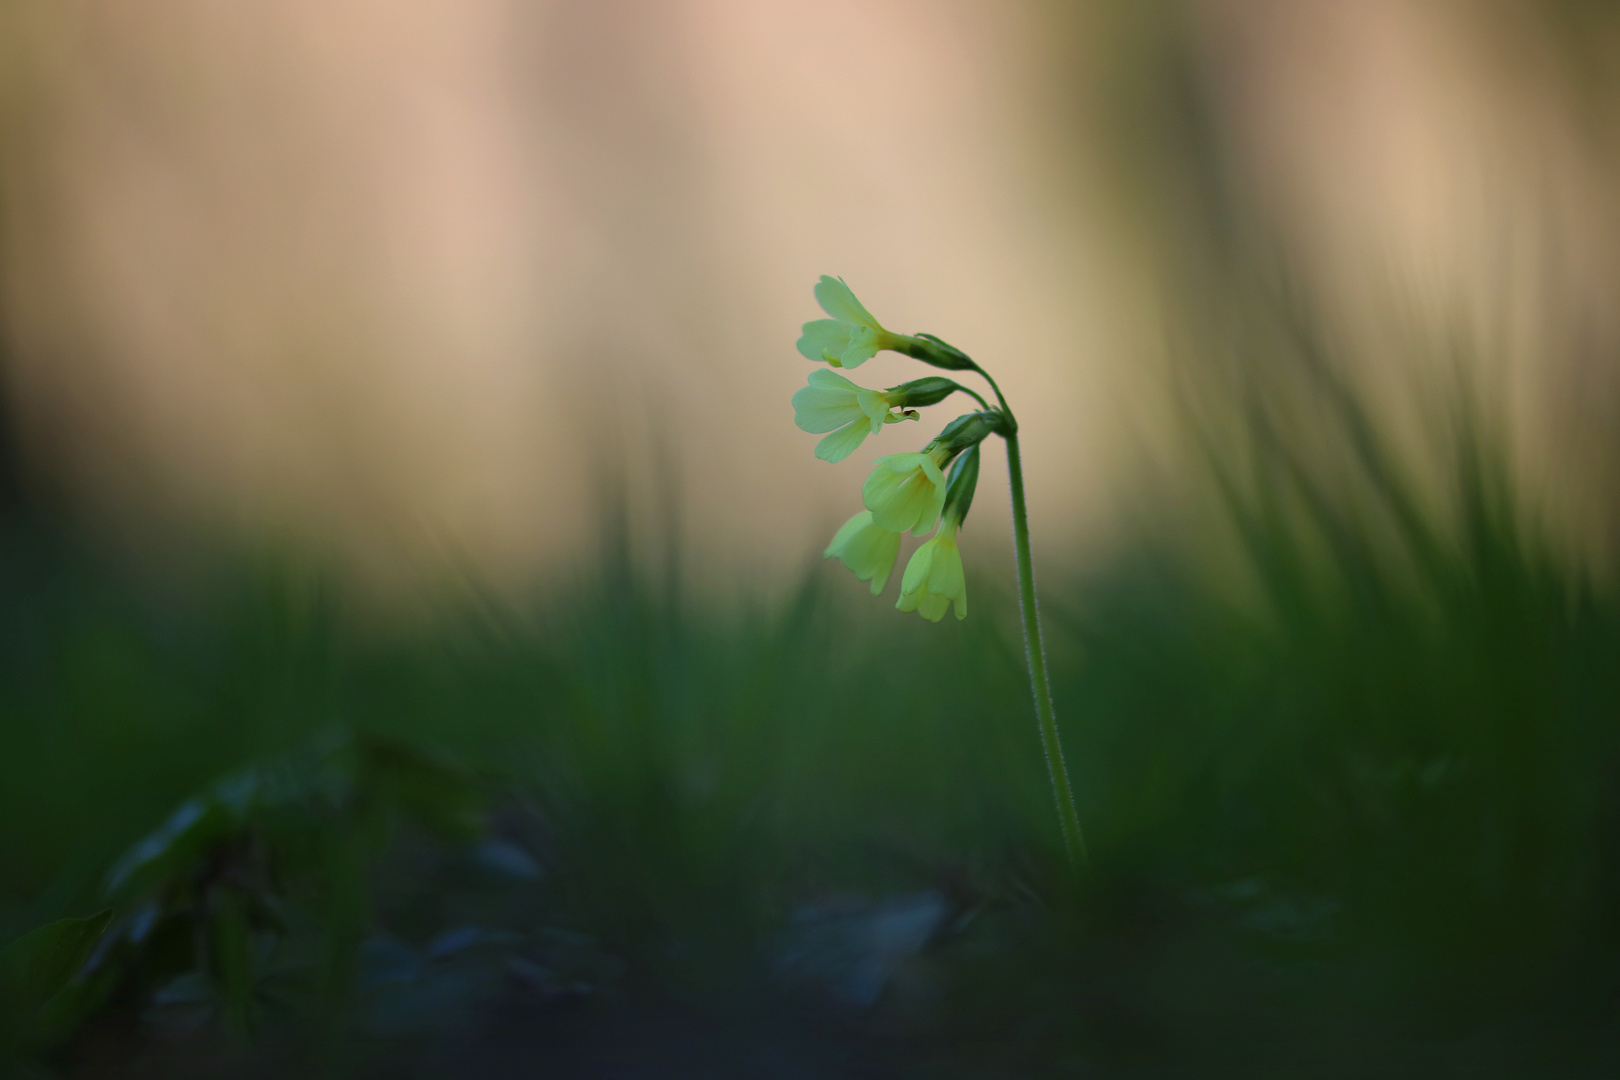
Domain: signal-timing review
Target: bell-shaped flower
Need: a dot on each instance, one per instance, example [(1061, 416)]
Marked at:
[(934, 577), (866, 548), (833, 403), (852, 336), (906, 491)]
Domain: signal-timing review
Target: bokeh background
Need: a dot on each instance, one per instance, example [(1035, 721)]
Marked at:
[(408, 382), (405, 281), (408, 280)]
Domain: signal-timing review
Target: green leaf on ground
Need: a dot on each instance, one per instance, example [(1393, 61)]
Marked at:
[(38, 965)]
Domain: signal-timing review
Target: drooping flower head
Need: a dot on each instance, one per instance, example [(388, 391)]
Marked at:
[(907, 491), (934, 576), (833, 403), (852, 336), (868, 549)]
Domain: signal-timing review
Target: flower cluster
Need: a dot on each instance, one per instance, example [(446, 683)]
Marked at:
[(926, 492), (910, 492)]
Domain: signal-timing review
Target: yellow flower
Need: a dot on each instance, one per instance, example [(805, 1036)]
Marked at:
[(852, 336), (867, 549), (906, 491), (934, 577), (833, 403)]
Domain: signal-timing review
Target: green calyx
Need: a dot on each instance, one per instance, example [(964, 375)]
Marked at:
[(931, 350), (971, 429), (930, 390)]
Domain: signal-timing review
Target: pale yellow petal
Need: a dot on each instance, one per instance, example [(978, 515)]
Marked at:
[(896, 500), (837, 300), (945, 573), (930, 503), (871, 553), (874, 405), (878, 492), (867, 550), (934, 580), (845, 531), (931, 468), (822, 337), (905, 491), (899, 463), (831, 380), (916, 575), (818, 409), (946, 577), (843, 442)]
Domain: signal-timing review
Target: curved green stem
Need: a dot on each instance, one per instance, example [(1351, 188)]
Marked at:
[(1035, 650), (986, 376), (975, 395), (1034, 647)]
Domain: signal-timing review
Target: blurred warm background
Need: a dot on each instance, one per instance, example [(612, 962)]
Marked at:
[(414, 278), (410, 280)]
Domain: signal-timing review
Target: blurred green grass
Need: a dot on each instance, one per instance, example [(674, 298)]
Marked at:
[(1359, 791)]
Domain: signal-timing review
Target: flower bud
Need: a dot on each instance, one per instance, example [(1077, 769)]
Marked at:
[(960, 485)]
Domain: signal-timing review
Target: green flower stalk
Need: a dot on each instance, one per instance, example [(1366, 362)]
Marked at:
[(911, 492)]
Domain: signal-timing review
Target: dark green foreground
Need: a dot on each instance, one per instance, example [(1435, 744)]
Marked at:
[(1352, 813)]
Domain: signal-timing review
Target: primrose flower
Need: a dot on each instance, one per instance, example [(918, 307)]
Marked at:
[(934, 577), (906, 491), (852, 336), (866, 548), (833, 403)]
